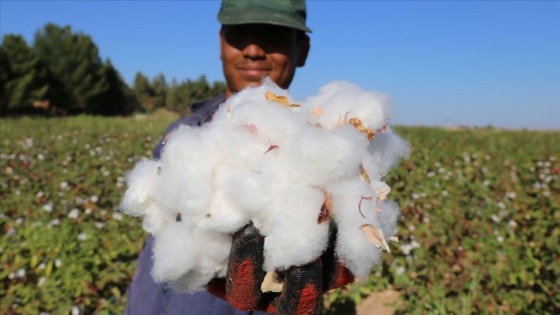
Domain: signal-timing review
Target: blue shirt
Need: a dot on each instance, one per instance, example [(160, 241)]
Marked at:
[(145, 297)]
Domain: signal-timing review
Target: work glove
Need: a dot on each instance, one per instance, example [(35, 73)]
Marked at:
[(302, 286)]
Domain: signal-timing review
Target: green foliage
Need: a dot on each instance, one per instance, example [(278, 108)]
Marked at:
[(24, 78), (479, 227), (5, 73), (159, 88), (73, 58), (478, 232), (181, 96), (63, 243), (62, 74), (176, 97), (143, 92), (118, 99)]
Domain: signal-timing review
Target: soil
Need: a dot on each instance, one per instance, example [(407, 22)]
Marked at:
[(379, 303)]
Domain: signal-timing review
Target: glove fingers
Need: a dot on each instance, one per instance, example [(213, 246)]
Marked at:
[(302, 290), (245, 273), (338, 276)]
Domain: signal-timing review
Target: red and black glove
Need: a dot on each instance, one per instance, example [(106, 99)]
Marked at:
[(303, 286)]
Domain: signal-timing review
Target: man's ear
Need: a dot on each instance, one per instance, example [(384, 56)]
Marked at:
[(304, 46)]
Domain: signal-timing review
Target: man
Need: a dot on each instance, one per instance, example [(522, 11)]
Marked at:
[(257, 39)]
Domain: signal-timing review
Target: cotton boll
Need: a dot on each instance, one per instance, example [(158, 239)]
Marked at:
[(181, 164), (341, 101), (384, 153), (374, 110), (175, 252), (182, 140), (212, 263), (252, 95), (139, 198), (264, 159), (356, 252), (245, 190), (289, 224), (351, 202), (181, 195), (142, 181), (270, 119), (271, 122), (239, 148), (155, 218), (320, 156), (195, 257), (387, 217), (352, 247), (213, 248), (269, 86), (257, 93), (327, 92), (381, 190), (223, 215)]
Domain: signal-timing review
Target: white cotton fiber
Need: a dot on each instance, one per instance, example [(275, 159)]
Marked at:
[(155, 218), (384, 153), (223, 214), (267, 159), (320, 156), (175, 252), (350, 211), (289, 224), (340, 100), (185, 252), (142, 181)]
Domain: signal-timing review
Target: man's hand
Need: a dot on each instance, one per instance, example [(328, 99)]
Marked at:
[(302, 286)]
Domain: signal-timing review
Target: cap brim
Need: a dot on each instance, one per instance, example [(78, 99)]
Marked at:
[(254, 17)]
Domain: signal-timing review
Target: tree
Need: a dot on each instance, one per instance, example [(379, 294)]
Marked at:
[(143, 92), (24, 79), (5, 74), (73, 58), (118, 99), (173, 98), (159, 86), (217, 87), (180, 97), (63, 72)]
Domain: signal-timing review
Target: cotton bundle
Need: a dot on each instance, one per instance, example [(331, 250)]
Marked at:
[(269, 160)]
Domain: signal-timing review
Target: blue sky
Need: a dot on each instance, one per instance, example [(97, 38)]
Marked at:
[(444, 63)]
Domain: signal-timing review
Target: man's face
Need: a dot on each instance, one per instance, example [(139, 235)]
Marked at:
[(251, 51)]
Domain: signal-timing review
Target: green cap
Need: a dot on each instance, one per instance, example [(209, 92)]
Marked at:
[(289, 13)]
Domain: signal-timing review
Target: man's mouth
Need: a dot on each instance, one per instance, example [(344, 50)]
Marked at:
[(253, 72)]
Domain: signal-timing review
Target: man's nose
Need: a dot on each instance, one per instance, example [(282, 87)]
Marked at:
[(255, 44), (254, 50)]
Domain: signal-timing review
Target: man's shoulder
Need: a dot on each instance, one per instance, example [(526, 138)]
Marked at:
[(211, 102), (209, 105), (201, 112)]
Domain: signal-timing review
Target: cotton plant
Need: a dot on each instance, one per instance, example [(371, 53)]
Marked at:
[(288, 167)]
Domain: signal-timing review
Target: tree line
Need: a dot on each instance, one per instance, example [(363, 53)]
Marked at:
[(61, 74)]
